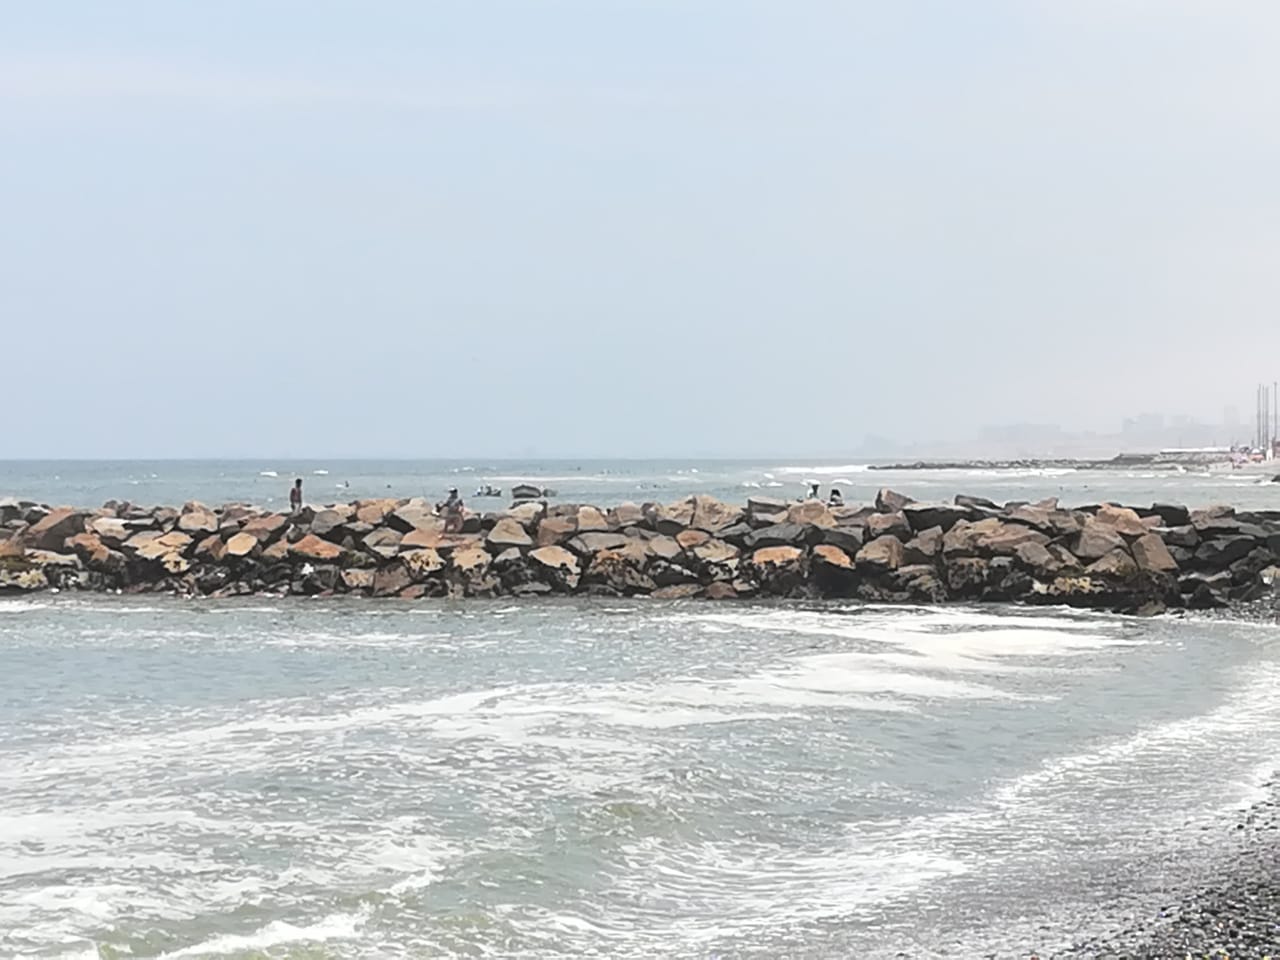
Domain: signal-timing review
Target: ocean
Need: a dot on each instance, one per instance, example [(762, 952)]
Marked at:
[(294, 778)]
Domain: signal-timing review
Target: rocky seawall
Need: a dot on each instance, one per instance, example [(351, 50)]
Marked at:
[(1132, 559)]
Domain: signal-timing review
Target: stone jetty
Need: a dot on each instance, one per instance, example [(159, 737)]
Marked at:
[(1131, 559)]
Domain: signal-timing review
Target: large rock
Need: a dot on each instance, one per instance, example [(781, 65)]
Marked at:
[(848, 539), (556, 567), (882, 555), (374, 511), (1116, 565), (417, 514), (556, 530), (1004, 539), (975, 503), (422, 565), (266, 528), (154, 545), (688, 539), (95, 554), (585, 544), (390, 579), (663, 547), (780, 571), (328, 524), (51, 532), (196, 518), (889, 524), (1171, 514), (1124, 521), (212, 549), (711, 515), (1183, 536), (312, 548), (766, 511), (625, 515), (1097, 539), (591, 519), (508, 533), (812, 513), (1054, 522), (714, 553), (111, 530), (1220, 553), (924, 548), (780, 535), (923, 516), (1151, 555), (622, 569), (243, 545), (833, 571), (890, 501), (383, 542)]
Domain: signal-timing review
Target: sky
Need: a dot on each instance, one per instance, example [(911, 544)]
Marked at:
[(400, 228)]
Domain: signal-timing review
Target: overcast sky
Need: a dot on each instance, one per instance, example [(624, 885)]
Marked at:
[(584, 227)]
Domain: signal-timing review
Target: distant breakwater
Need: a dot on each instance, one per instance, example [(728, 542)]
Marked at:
[(1129, 559)]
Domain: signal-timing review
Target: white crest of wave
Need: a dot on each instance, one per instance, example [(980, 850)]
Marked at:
[(338, 926), (824, 471)]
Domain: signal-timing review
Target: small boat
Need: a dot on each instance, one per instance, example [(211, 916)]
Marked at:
[(488, 491), (527, 491)]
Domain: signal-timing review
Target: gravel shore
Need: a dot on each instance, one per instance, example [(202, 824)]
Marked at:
[(1233, 914)]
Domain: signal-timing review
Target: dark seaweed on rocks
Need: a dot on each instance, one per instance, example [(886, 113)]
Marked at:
[(1136, 560)]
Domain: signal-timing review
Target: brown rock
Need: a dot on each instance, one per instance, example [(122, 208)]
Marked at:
[(328, 523), (1037, 559), (712, 515), (889, 501), (556, 530), (1096, 540), (827, 555), (267, 527), (243, 545), (924, 548), (688, 539), (423, 564), (663, 547), (389, 580), (90, 549), (589, 518), (383, 542), (557, 566), (358, 581), (881, 555), (508, 533), (714, 552), (1005, 538), (1116, 565), (374, 511), (211, 549), (812, 513), (277, 551), (414, 515), (52, 531), (676, 591), (622, 568), (112, 531), (420, 539), (315, 549), (720, 590), (196, 518), (888, 524), (1124, 521), (154, 545), (469, 572), (1151, 555), (625, 515)]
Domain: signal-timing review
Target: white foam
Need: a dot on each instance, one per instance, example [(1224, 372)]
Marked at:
[(268, 473), (825, 471), (338, 926)]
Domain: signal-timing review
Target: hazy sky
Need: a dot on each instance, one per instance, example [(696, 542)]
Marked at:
[(586, 227)]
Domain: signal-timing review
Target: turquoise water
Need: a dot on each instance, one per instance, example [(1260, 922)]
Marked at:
[(266, 482), (364, 779)]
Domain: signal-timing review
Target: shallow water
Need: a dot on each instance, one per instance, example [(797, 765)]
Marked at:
[(615, 779)]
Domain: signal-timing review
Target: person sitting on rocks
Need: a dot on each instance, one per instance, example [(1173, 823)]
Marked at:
[(813, 492), (836, 499), (295, 496), (452, 510)]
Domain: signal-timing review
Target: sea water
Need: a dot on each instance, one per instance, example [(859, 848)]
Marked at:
[(366, 779)]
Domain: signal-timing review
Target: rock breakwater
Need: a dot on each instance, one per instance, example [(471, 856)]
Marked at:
[(1132, 559)]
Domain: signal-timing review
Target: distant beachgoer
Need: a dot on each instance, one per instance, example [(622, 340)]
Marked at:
[(836, 499), (295, 496), (813, 492), (452, 510)]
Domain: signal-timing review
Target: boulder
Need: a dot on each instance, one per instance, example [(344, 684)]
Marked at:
[(373, 512), (315, 549), (970, 578), (848, 539), (591, 519), (556, 530), (390, 579), (923, 516), (95, 554), (211, 549), (267, 527), (469, 572), (673, 517), (916, 583), (766, 511), (676, 591), (358, 581), (556, 567), (1183, 536), (328, 524), (881, 555), (890, 501), (924, 548), (781, 534), (1055, 523), (1097, 539), (688, 539), (715, 552), (811, 513), (418, 539), (196, 518), (780, 571), (622, 568), (507, 533), (52, 531), (1171, 514), (720, 590), (111, 530), (975, 503), (417, 514), (1220, 553), (276, 552), (833, 571), (1151, 555), (585, 544), (423, 564), (712, 515), (1124, 521), (1038, 560), (154, 545), (1117, 565), (1003, 539), (663, 547), (528, 514), (383, 542), (889, 524), (625, 515), (243, 545), (665, 573)]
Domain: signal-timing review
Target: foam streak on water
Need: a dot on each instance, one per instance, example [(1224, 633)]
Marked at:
[(547, 780)]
